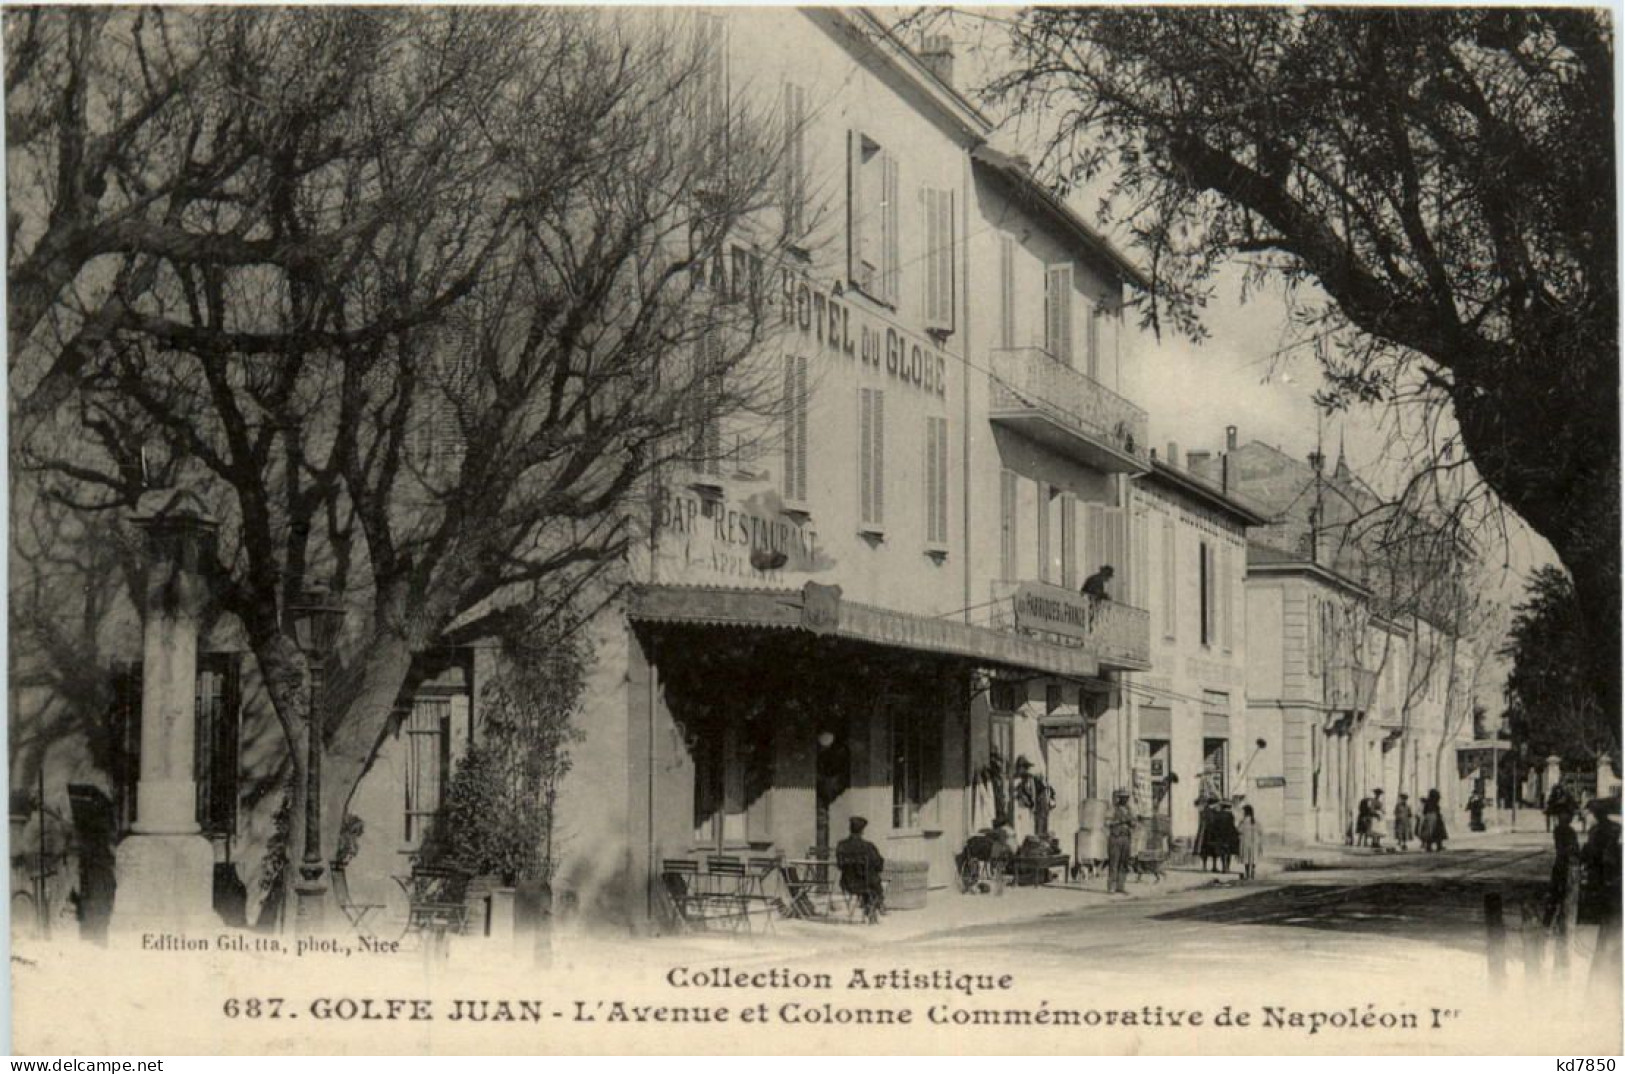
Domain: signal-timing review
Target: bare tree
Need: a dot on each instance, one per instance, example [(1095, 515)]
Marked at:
[(417, 300)]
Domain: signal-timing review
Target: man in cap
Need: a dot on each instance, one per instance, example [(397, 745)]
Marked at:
[(861, 866), (1120, 827)]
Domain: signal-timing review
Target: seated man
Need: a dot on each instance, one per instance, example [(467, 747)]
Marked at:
[(861, 866)]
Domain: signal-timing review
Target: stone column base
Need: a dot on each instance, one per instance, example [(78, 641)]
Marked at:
[(164, 882)]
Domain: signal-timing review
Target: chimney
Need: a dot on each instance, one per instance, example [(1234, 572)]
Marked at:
[(1173, 454), (937, 53), (1230, 433), (1197, 463)]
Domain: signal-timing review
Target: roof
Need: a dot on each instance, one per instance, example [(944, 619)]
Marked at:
[(1264, 560), (1193, 486), (863, 29), (1034, 195)]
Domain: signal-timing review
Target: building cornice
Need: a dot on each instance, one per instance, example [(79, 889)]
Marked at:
[(1180, 481)]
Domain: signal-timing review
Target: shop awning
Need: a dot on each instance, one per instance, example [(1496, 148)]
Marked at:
[(818, 609)]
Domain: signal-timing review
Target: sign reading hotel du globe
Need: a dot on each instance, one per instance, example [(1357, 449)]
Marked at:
[(721, 540)]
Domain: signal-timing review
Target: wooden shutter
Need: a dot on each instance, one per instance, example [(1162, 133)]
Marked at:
[(1170, 579), (795, 159), (1058, 312), (1042, 522), (879, 455), (872, 455), (795, 427), (936, 480), (1008, 528), (891, 260), (857, 212), (1091, 338), (215, 746), (938, 276), (1007, 291), (1069, 541)]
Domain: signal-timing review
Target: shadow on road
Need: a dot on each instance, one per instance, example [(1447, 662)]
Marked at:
[(1443, 912)]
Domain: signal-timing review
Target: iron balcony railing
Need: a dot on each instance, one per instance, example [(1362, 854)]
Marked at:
[(1118, 634), (1029, 378)]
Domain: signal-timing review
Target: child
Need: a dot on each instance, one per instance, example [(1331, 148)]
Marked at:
[(1252, 843)]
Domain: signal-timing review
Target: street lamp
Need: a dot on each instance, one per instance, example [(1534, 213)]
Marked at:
[(316, 621)]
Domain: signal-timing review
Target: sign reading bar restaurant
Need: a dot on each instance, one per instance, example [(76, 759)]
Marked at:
[(709, 540)]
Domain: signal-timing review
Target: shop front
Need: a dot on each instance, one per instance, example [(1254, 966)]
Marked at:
[(774, 717)]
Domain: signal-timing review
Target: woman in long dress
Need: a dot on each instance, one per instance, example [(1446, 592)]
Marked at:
[(1432, 832)]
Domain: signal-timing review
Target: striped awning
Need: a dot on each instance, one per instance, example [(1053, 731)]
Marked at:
[(817, 609)]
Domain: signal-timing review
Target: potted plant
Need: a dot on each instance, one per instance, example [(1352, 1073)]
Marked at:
[(496, 821)]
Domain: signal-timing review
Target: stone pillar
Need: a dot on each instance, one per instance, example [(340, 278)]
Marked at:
[(166, 866)]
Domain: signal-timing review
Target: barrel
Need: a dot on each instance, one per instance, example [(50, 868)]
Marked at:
[(906, 883), (1089, 844)]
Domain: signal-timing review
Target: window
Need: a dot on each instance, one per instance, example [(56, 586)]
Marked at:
[(440, 395), (872, 458), (1058, 312), (936, 481), (912, 773), (1069, 541), (711, 87), (1008, 530), (216, 754), (795, 428), (1170, 580), (215, 747), (795, 160), (1227, 612), (428, 763), (1042, 522), (1313, 640), (1204, 581), (1007, 291), (706, 404), (1054, 698), (1091, 339), (939, 258), (1214, 752), (873, 263)]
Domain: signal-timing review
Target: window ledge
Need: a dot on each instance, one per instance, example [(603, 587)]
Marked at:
[(872, 533), (800, 510), (937, 552), (914, 833)]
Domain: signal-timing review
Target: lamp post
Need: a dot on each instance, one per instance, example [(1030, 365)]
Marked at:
[(316, 622)]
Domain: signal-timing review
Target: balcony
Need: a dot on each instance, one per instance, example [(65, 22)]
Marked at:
[(1351, 688), (1116, 634), (1054, 404)]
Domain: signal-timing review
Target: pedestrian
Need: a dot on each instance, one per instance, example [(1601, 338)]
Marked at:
[(1475, 810), (1119, 843), (1600, 862), (1252, 843), (1226, 839), (1566, 855), (1402, 821), (1362, 823), (1557, 803), (1374, 828), (1095, 585), (1432, 831), (1204, 831)]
